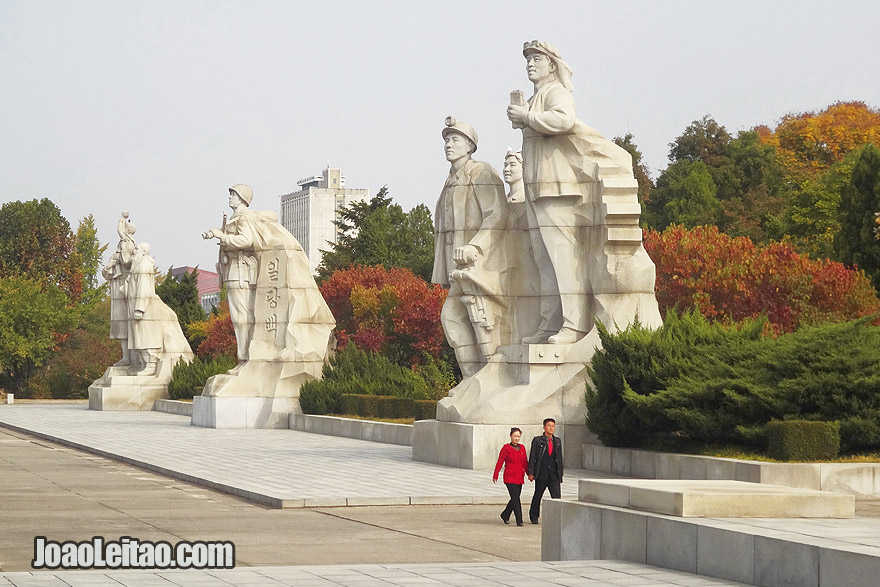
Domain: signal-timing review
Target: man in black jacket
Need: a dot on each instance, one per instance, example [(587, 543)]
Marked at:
[(545, 467)]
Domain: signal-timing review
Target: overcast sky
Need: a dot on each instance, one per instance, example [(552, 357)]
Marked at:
[(158, 107)]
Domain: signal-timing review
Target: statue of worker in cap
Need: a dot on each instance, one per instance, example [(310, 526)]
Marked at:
[(564, 162), (469, 232), (277, 312)]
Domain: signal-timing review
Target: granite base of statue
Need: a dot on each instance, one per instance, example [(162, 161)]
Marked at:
[(574, 256), (150, 334), (282, 324)]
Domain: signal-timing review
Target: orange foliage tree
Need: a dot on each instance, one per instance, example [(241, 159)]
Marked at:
[(730, 279), (392, 311), (215, 336), (808, 144)]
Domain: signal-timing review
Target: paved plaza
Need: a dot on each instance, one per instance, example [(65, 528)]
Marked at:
[(279, 468), (302, 509), (529, 574)]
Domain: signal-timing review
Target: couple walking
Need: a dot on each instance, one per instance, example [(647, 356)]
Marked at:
[(544, 467)]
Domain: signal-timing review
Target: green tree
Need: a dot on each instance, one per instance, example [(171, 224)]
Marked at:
[(684, 194), (90, 251), (749, 185), (857, 243), (36, 242), (752, 190), (379, 232), (80, 359), (640, 170), (34, 318), (182, 296), (703, 140)]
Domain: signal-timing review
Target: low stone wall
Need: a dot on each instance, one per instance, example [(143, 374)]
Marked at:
[(173, 406), (575, 530), (386, 432), (859, 479)]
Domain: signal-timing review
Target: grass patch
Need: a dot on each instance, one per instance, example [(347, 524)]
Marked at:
[(732, 452), (387, 420)]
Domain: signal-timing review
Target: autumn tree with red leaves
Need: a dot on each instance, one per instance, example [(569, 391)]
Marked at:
[(214, 336), (391, 311), (730, 279)]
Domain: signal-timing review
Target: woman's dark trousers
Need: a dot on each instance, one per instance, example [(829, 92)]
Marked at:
[(514, 505)]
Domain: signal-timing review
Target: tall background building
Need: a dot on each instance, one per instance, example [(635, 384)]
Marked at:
[(310, 212), (208, 283)]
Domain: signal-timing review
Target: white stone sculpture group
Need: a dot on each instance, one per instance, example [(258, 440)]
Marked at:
[(148, 330), (530, 273)]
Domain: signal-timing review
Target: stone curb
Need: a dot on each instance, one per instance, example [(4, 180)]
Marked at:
[(859, 479), (575, 530), (173, 406), (386, 432)]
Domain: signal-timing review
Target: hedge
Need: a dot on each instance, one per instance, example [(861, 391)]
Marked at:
[(803, 440), (385, 406)]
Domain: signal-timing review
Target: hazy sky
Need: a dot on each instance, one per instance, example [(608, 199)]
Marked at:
[(158, 107)]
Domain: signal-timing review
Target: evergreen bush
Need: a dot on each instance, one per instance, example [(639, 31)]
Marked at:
[(320, 397), (690, 381), (188, 379), (803, 440), (352, 372)]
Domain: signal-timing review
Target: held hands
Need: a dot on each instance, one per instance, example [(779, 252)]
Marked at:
[(518, 115), (465, 255), (531, 477)]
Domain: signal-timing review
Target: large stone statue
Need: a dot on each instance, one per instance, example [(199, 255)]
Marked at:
[(154, 332), (563, 162), (152, 341), (583, 261), (283, 327), (116, 272), (470, 220)]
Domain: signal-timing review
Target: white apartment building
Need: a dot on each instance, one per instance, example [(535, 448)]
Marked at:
[(310, 212)]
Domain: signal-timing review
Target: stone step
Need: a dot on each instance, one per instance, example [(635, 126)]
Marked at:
[(716, 499)]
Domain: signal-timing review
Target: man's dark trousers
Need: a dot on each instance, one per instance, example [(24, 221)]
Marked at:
[(540, 485), (547, 470)]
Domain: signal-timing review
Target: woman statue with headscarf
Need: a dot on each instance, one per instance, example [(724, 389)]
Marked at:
[(563, 160)]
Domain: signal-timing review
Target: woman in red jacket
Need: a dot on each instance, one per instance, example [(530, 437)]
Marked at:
[(516, 463)]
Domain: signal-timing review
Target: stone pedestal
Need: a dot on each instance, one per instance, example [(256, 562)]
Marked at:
[(264, 378), (243, 412), (523, 383), (476, 446), (125, 392)]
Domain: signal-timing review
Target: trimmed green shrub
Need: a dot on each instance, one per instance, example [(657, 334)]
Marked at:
[(358, 373), (386, 406), (320, 397), (694, 382), (424, 409), (361, 405), (803, 440), (396, 407), (188, 379)]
